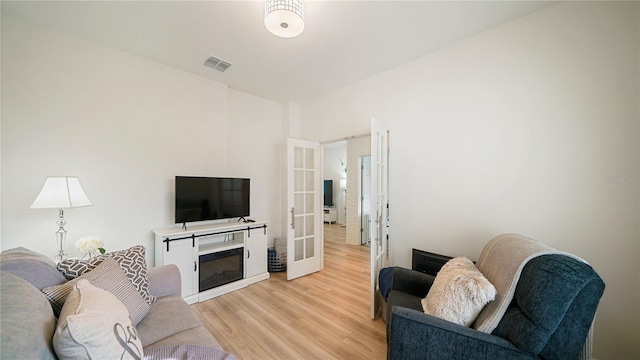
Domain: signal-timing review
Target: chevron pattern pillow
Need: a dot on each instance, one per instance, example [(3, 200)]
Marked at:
[(132, 261), (107, 276)]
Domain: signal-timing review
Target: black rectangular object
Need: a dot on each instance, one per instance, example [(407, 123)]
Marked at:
[(220, 268), (328, 193), (427, 262), (210, 198)]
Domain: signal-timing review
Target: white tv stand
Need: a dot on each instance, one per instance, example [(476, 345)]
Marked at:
[(330, 215), (184, 247)]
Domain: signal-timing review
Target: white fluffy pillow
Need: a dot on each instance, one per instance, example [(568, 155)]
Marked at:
[(459, 292)]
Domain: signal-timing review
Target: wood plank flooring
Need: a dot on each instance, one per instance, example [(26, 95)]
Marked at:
[(324, 315)]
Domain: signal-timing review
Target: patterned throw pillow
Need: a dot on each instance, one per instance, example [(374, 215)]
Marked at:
[(107, 276), (131, 260), (95, 325)]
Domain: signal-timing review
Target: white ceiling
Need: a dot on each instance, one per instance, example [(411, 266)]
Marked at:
[(343, 42)]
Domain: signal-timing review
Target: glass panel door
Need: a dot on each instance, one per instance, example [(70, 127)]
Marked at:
[(304, 236), (378, 203)]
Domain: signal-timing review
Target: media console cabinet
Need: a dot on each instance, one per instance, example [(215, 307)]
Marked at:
[(330, 215), (214, 259)]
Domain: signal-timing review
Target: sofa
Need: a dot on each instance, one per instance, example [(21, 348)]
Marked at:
[(28, 325), (548, 307)]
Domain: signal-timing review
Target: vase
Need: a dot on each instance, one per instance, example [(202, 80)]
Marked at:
[(90, 254)]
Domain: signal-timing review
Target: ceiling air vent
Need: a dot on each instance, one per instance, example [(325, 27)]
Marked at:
[(217, 64)]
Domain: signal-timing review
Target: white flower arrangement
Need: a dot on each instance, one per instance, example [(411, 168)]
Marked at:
[(90, 246)]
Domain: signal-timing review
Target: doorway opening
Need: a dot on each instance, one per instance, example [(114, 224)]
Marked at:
[(335, 176), (347, 163), (367, 157)]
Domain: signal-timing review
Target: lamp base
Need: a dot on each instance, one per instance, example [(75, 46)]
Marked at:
[(61, 255), (61, 235)]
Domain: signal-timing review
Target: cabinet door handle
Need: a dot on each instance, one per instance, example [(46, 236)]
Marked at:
[(248, 253), (292, 219), (195, 266)]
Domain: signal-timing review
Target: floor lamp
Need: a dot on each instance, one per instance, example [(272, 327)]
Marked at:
[(61, 193)]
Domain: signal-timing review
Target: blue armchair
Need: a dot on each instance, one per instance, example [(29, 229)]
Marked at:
[(549, 318)]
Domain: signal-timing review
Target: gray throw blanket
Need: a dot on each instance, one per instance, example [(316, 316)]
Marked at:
[(187, 352), (501, 262)]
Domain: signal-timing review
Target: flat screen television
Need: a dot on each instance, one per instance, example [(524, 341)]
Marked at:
[(210, 198), (328, 193)]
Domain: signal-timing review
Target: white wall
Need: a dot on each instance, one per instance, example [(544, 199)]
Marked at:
[(256, 146), (531, 127), (126, 126), (290, 129)]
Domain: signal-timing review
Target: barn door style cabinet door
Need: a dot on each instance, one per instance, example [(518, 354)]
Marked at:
[(184, 254), (255, 253)]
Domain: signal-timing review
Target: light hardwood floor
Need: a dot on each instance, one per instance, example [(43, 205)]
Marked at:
[(324, 315)]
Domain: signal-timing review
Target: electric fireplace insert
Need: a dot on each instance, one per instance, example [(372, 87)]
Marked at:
[(220, 268)]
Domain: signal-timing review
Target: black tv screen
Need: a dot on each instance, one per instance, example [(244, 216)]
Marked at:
[(328, 193), (210, 198)]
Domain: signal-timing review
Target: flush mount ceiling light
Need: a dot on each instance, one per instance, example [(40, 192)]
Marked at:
[(284, 18)]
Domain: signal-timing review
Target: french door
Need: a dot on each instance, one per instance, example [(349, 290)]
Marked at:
[(379, 209), (305, 234)]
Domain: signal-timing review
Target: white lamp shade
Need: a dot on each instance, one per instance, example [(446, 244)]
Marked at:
[(284, 18), (61, 193)]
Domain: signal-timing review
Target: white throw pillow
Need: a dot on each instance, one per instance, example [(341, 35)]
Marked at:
[(94, 324), (459, 292)]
